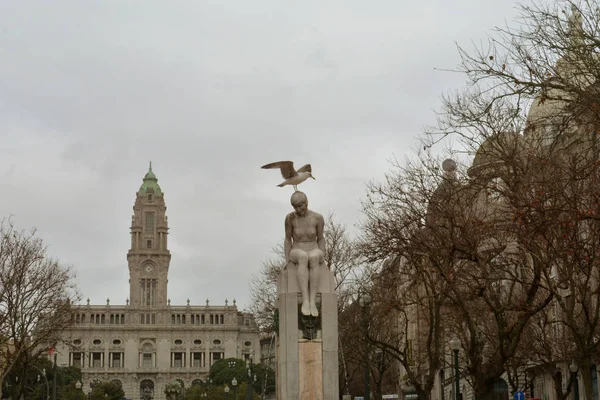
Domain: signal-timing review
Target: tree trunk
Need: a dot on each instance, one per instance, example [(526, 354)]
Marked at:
[(586, 377)]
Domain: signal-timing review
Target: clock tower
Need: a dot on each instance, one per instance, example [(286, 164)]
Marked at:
[(149, 256)]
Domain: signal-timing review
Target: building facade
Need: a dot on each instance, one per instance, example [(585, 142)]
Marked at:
[(149, 343)]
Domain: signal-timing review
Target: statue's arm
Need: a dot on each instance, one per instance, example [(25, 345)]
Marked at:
[(287, 243), (320, 235)]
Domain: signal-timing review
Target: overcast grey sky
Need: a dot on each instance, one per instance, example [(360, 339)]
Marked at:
[(209, 91)]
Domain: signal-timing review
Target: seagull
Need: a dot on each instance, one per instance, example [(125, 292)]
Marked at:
[(291, 176)]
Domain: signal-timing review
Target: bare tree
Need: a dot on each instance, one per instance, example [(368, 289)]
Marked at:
[(36, 293), (467, 261)]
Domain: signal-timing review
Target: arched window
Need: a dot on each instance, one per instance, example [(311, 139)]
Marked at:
[(222, 319), (203, 320), (183, 319), (173, 319), (103, 319), (146, 389), (83, 318), (112, 318), (149, 222), (122, 318)]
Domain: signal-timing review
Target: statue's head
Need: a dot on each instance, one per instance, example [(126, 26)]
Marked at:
[(299, 202)]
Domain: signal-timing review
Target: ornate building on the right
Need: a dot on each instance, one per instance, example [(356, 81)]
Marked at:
[(519, 303)]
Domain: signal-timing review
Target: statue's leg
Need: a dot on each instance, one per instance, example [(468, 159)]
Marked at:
[(301, 259), (314, 261)]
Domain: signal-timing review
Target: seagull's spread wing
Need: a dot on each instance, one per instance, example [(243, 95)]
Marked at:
[(286, 167), (305, 168)]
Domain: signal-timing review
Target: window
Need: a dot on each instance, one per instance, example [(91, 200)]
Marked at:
[(117, 342), (148, 244), (77, 360), (97, 360), (216, 356), (202, 319), (97, 342), (148, 292), (147, 360), (197, 342), (116, 360), (222, 319), (198, 360), (149, 222), (177, 360), (150, 197)]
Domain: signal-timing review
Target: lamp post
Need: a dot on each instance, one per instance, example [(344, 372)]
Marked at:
[(234, 384), (365, 301), (455, 346), (43, 372), (379, 360), (249, 364), (574, 368), (78, 387), (226, 389)]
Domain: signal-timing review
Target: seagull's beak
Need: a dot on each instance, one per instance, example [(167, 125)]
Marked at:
[(312, 177)]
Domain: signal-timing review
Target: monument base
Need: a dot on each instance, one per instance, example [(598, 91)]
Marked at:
[(307, 359), (310, 369)]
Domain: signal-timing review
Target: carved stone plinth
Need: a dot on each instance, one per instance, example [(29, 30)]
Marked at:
[(307, 347)]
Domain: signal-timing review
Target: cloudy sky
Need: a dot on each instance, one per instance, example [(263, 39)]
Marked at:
[(91, 91)]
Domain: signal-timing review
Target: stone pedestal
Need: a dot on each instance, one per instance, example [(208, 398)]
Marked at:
[(307, 368)]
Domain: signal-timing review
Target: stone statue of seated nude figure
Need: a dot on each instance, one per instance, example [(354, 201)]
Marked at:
[(304, 245)]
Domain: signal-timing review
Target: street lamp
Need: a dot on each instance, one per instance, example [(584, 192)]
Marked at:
[(77, 386), (249, 364), (574, 368), (234, 384), (43, 372), (365, 301), (226, 389), (455, 346)]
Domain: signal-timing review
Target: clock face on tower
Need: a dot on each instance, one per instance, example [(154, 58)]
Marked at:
[(148, 268)]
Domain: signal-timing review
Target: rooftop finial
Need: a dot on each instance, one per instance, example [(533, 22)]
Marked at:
[(150, 169), (575, 26), (449, 167)]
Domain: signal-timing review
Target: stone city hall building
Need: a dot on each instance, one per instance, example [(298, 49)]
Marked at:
[(148, 342)]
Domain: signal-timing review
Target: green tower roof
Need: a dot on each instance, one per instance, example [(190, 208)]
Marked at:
[(150, 184)]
